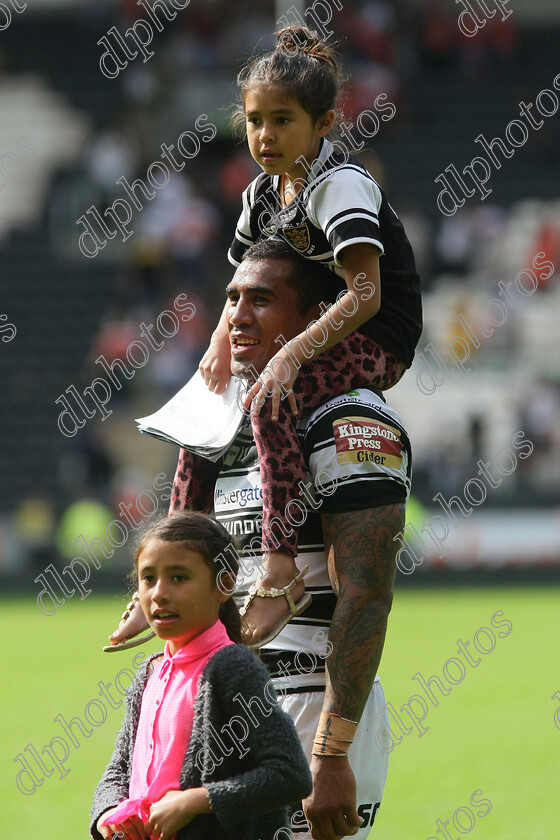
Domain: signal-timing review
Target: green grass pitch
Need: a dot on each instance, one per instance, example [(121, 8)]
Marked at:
[(493, 732)]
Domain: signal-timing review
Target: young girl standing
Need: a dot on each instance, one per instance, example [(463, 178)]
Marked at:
[(204, 750), (330, 209)]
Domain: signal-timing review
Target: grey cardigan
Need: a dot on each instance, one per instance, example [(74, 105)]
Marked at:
[(243, 748)]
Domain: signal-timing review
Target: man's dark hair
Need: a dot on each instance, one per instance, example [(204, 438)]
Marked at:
[(312, 281)]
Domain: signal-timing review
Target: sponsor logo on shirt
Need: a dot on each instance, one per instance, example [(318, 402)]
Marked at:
[(238, 497), (360, 440)]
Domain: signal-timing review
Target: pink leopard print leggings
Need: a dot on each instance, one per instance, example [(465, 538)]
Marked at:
[(355, 362)]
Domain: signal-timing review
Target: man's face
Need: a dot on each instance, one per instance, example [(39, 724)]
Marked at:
[(262, 306)]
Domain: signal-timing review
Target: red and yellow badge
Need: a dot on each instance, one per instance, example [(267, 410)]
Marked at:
[(360, 439), (298, 237)]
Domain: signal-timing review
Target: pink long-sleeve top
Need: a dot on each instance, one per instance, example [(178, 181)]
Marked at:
[(165, 725)]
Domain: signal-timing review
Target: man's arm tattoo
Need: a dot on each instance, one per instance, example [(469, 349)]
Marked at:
[(361, 561)]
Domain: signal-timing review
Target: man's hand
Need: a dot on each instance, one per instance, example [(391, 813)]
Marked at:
[(331, 807)]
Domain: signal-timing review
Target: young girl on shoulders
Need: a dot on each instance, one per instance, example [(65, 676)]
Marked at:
[(204, 750), (330, 209)]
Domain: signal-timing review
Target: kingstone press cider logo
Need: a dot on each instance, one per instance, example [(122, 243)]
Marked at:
[(358, 440)]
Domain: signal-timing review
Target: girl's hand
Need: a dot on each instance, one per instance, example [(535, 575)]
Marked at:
[(130, 829), (215, 366), (172, 812), (275, 381)]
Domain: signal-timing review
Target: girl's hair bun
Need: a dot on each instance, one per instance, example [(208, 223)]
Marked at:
[(302, 65), (293, 39)]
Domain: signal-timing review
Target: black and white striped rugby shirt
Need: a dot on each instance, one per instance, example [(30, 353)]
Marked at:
[(340, 205), (358, 456)]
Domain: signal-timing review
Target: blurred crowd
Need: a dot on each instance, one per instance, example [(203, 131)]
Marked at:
[(182, 235)]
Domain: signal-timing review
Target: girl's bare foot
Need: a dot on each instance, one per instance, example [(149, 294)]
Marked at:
[(131, 625), (265, 614)]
